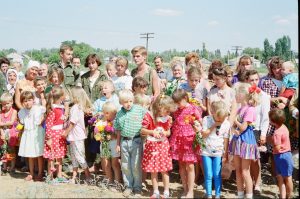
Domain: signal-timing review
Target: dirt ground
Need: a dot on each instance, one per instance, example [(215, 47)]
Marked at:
[(14, 186)]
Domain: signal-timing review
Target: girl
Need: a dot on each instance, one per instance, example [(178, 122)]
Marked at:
[(181, 141), (243, 144), (122, 80), (76, 133), (9, 135), (156, 155), (39, 84), (111, 69), (32, 140), (55, 143), (215, 133), (139, 85), (111, 163), (244, 64)]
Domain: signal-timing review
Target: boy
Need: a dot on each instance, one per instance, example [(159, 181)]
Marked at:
[(282, 153), (128, 124)]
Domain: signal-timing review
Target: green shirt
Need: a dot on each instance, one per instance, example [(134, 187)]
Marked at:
[(130, 122), (93, 93), (3, 87)]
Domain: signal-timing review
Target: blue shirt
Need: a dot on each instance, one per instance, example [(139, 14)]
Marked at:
[(290, 81), (99, 103)]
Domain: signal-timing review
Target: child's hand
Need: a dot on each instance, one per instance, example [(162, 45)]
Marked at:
[(156, 134), (205, 134), (118, 149), (64, 134), (225, 158), (49, 142), (236, 132)]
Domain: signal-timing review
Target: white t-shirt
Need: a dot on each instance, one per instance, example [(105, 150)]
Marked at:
[(215, 142), (77, 118), (123, 82)]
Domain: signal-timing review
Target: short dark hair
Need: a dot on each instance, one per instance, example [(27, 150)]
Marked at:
[(139, 82), (26, 95), (65, 47), (158, 57), (250, 73), (4, 60), (93, 57), (277, 116)]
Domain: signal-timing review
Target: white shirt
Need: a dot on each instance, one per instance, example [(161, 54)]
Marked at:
[(262, 114), (123, 82), (77, 118), (215, 143)]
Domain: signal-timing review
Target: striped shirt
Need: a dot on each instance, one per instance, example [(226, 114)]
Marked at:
[(129, 122)]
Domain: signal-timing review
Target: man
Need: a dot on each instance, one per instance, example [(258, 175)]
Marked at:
[(165, 75), (71, 73), (139, 55), (76, 62)]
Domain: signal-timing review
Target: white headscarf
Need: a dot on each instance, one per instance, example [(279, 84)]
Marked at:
[(11, 88)]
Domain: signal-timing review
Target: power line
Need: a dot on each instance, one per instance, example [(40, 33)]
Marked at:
[(147, 36), (236, 48)]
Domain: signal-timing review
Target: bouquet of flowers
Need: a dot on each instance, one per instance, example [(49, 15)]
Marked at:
[(102, 132), (198, 141), (193, 100)]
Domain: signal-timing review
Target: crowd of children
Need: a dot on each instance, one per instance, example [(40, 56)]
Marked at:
[(195, 123)]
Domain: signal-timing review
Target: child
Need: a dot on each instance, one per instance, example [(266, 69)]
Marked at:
[(243, 145), (111, 69), (40, 84), (156, 154), (128, 124), (142, 100), (139, 85), (107, 95), (290, 80), (282, 153), (229, 72), (76, 133), (55, 143), (32, 140), (181, 141), (9, 135), (110, 162), (215, 133), (122, 80)]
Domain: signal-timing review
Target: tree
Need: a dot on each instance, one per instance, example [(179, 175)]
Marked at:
[(268, 51), (283, 48)]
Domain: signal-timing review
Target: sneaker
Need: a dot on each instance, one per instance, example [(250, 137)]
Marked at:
[(166, 195), (127, 192), (62, 180), (155, 195)]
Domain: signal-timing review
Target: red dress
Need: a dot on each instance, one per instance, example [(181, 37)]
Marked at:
[(183, 134), (54, 129), (156, 156)]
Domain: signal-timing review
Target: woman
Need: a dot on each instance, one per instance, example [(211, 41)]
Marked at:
[(11, 79), (91, 84), (177, 79), (26, 84)]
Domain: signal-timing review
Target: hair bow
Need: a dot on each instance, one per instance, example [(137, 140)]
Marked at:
[(162, 96), (254, 88)]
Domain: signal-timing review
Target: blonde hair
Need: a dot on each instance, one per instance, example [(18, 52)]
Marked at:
[(6, 97), (123, 61), (110, 65), (109, 107), (58, 71), (107, 82), (56, 93), (217, 107), (290, 65), (142, 99), (139, 49), (253, 98), (125, 95), (163, 102), (80, 97)]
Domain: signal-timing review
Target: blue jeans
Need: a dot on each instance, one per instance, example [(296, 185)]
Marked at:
[(212, 169), (131, 155)]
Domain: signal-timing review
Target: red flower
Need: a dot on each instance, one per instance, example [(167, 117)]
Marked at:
[(254, 88)]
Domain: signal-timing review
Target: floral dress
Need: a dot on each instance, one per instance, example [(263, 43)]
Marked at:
[(157, 156), (183, 134)]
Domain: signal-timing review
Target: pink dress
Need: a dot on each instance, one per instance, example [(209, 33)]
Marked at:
[(54, 129), (183, 134), (157, 156), (13, 134)]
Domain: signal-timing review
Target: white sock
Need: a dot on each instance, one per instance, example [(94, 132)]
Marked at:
[(156, 191), (166, 192), (249, 195), (240, 194)]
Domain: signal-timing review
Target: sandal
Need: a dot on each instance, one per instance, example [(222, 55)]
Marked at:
[(39, 178), (28, 178)]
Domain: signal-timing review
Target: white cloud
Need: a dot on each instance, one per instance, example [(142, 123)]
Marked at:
[(283, 21), (167, 12), (213, 23)]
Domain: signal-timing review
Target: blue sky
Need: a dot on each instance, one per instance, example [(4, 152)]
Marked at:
[(182, 25)]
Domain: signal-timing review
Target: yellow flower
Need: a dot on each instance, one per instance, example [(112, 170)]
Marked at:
[(19, 127), (97, 137)]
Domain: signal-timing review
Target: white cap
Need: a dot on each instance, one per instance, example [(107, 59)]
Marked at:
[(32, 63)]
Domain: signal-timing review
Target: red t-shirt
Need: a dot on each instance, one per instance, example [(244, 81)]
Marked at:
[(281, 137)]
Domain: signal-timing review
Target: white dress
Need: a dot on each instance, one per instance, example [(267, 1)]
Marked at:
[(32, 140)]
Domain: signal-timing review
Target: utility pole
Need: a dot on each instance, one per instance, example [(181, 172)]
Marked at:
[(147, 36), (236, 48)]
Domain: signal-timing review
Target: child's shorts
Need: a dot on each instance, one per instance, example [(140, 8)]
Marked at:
[(284, 164), (112, 148)]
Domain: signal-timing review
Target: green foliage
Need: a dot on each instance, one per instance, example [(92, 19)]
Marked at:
[(268, 51), (253, 52), (283, 48)]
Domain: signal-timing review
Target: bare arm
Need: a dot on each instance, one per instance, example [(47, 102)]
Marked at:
[(69, 129), (17, 96), (155, 84), (118, 141), (233, 112)]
